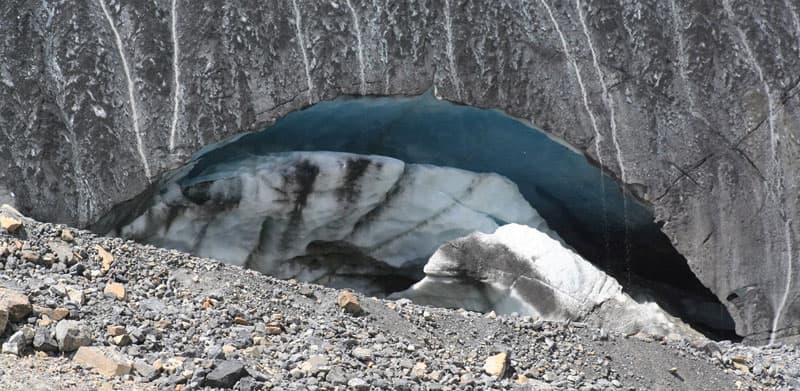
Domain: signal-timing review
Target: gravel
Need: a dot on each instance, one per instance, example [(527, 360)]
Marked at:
[(190, 323)]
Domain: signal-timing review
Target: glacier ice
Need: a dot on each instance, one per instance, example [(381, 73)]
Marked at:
[(287, 214), (520, 269)]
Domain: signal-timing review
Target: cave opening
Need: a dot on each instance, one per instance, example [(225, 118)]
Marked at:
[(360, 192)]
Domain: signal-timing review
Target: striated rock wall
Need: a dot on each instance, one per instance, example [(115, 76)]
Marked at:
[(691, 103)]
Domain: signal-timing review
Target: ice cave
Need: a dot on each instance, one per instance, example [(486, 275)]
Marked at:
[(380, 195)]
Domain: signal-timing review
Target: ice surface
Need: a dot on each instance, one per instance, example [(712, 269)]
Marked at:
[(266, 210)]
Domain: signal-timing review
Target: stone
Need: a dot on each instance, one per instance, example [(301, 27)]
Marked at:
[(59, 313), (3, 320), (115, 330), (740, 366), (66, 235), (362, 354), (121, 340), (106, 259), (274, 328), (45, 321), (145, 370), (19, 342), (497, 364), (61, 251), (357, 383), (15, 303), (225, 374), (44, 341), (115, 290), (419, 370), (10, 224), (71, 335), (31, 256), (170, 366), (76, 296), (106, 361), (349, 302), (314, 364), (228, 349), (58, 290)]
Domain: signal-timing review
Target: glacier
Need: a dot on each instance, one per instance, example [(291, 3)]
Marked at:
[(523, 270), (360, 192), (300, 214)]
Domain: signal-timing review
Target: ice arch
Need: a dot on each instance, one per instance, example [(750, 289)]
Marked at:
[(605, 224)]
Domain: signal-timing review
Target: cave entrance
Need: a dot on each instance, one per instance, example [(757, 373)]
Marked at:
[(324, 174)]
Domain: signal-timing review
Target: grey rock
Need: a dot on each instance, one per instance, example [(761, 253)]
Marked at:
[(62, 251), (362, 354), (44, 341), (19, 342), (357, 383), (145, 370), (226, 374), (71, 335), (336, 376), (3, 320)]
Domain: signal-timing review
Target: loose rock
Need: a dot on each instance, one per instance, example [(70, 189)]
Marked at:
[(44, 341), (115, 290), (496, 365), (105, 361), (15, 304), (71, 335), (226, 374), (106, 259), (10, 224), (349, 302)]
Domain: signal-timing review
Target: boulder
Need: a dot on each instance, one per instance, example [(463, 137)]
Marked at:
[(115, 290), (496, 365), (44, 341), (348, 301), (225, 374), (19, 343), (10, 224), (15, 303), (71, 335), (3, 320), (106, 361)]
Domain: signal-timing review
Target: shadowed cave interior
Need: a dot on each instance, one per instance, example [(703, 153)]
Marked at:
[(435, 152)]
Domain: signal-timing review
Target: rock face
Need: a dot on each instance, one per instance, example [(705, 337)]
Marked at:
[(693, 104), (335, 218), (519, 269)]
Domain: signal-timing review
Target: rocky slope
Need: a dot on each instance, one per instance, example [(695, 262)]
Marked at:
[(89, 312), (692, 104)]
